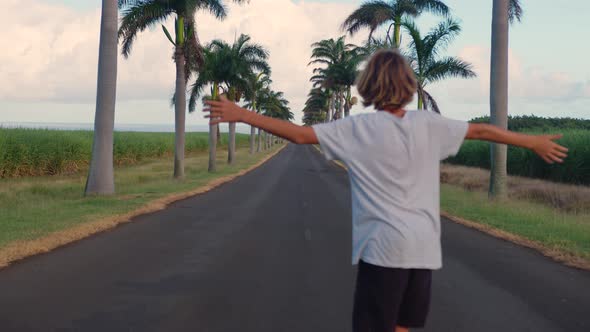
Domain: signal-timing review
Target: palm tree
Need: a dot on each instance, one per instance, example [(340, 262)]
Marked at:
[(341, 61), (429, 67), (376, 13), (504, 11), (273, 104), (316, 106), (188, 56), (254, 94), (228, 67), (101, 179), (217, 67), (343, 75), (248, 59)]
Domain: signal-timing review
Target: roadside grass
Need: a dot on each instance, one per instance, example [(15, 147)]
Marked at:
[(563, 234), (574, 199), (33, 207)]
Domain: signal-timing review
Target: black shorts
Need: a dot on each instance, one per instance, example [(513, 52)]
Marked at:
[(388, 297)]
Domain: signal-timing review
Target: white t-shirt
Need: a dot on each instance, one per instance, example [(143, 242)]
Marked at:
[(393, 165)]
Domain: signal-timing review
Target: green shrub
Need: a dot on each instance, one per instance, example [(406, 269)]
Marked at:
[(575, 169)]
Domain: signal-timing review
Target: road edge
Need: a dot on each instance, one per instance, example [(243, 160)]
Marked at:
[(558, 256), (19, 250)]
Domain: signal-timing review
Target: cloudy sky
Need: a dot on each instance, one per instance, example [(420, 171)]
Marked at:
[(48, 58)]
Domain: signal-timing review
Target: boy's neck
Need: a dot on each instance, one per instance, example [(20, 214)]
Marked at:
[(399, 112)]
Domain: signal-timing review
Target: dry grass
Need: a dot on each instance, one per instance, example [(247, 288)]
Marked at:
[(564, 197)]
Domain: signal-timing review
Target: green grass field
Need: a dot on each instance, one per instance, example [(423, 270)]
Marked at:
[(575, 169), (554, 229), (32, 207), (37, 152)]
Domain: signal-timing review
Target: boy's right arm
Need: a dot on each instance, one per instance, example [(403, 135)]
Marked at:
[(227, 111), (543, 145)]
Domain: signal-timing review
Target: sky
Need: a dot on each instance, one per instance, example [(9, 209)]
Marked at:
[(49, 56)]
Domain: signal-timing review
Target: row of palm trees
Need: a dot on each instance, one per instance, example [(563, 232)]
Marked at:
[(330, 94), (236, 69), (240, 70), (330, 97), (332, 82)]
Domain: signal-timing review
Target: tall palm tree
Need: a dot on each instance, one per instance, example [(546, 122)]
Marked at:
[(429, 67), (253, 96), (273, 104), (228, 67), (343, 76), (504, 12), (217, 67), (248, 59), (316, 106), (101, 179), (376, 13), (188, 56), (340, 61)]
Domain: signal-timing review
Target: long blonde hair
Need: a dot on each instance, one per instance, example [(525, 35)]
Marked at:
[(387, 82)]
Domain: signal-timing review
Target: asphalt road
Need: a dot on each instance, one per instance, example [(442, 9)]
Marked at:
[(271, 252)]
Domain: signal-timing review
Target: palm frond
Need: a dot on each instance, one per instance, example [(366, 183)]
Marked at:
[(515, 11), (215, 8), (369, 15), (448, 67), (429, 102), (403, 8), (196, 92), (124, 3), (137, 18), (441, 35), (432, 6), (253, 51)]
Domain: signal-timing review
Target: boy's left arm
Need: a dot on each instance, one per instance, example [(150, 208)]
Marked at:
[(543, 145)]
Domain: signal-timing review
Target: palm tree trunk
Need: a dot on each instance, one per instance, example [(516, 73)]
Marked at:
[(252, 139), (252, 132), (101, 179), (179, 113), (341, 104), (212, 147), (499, 96), (420, 100), (347, 105), (259, 146), (231, 151), (332, 105), (397, 31), (213, 134)]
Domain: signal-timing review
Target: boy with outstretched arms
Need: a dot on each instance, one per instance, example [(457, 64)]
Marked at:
[(393, 158)]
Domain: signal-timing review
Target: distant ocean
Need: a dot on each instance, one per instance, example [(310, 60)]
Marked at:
[(240, 128)]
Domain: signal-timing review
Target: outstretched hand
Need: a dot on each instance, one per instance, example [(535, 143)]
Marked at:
[(546, 148), (223, 111)]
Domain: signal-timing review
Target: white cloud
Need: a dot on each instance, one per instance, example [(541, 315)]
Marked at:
[(50, 52), (526, 82), (49, 55), (532, 89)]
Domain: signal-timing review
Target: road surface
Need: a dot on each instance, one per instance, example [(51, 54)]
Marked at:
[(271, 252)]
